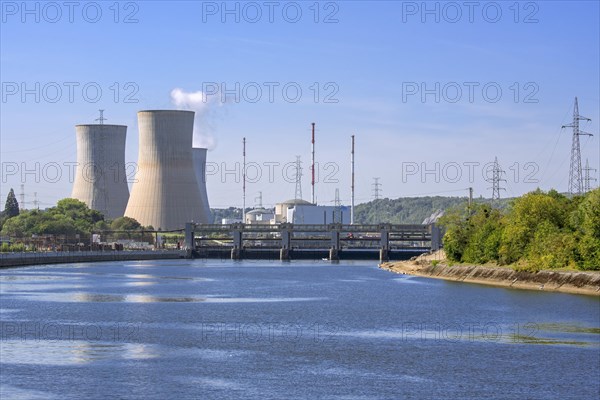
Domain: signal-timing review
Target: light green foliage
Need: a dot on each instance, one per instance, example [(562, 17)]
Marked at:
[(472, 237), (69, 217), (587, 223), (539, 231)]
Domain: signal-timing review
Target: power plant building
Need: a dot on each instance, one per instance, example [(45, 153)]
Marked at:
[(166, 192), (199, 156), (316, 215), (281, 209), (100, 179)]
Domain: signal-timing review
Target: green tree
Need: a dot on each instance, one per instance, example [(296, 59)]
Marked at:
[(125, 224), (586, 221), (11, 208), (526, 213)]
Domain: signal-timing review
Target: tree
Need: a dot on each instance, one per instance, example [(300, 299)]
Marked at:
[(11, 209), (125, 224), (586, 219)]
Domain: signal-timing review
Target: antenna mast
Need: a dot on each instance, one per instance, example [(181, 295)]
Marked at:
[(352, 183), (312, 192), (244, 181)]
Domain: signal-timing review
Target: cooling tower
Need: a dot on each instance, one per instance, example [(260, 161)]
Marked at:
[(100, 180), (199, 156), (165, 193)]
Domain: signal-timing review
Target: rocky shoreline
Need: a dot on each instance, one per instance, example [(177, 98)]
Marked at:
[(577, 282)]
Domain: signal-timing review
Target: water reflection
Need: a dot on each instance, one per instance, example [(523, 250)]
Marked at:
[(85, 297), (16, 393), (71, 352)]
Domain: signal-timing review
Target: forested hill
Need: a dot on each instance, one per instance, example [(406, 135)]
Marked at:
[(408, 210)]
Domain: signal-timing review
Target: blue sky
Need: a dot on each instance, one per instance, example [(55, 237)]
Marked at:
[(370, 61)]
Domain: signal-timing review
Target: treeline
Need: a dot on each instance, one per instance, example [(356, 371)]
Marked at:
[(537, 231), (69, 217), (407, 210)]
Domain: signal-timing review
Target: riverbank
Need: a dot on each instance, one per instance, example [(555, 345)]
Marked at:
[(8, 260), (435, 266)]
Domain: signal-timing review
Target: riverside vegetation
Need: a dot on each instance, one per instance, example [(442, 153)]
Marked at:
[(537, 231)]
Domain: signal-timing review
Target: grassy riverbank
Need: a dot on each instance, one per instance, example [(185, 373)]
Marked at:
[(436, 266)]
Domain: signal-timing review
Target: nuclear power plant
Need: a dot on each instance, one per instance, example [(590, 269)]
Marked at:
[(165, 193), (100, 180), (199, 157)]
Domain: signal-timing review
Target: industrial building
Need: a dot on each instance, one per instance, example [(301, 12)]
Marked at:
[(166, 191), (100, 179), (281, 209), (260, 216), (199, 157), (315, 215)]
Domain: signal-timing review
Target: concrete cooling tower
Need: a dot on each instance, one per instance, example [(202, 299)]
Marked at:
[(165, 193), (199, 156), (100, 180)]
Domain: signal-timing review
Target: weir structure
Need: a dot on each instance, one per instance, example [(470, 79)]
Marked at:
[(303, 241), (165, 193), (100, 178)]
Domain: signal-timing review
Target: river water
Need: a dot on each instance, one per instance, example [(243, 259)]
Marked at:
[(303, 330)]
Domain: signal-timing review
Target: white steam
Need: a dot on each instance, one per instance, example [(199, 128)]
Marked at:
[(205, 108)]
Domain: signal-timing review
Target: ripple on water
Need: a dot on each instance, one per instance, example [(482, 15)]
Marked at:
[(82, 297), (71, 352), (16, 393)]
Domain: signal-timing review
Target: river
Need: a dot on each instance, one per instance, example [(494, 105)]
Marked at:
[(211, 329)]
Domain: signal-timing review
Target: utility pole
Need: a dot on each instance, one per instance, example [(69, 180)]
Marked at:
[(497, 173), (575, 171), (470, 198), (587, 177), (298, 192)]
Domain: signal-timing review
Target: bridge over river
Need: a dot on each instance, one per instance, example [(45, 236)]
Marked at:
[(334, 242)]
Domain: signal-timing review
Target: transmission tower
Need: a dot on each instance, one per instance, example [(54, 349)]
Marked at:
[(259, 200), (575, 171), (101, 119), (298, 194), (376, 188), (22, 197), (497, 177), (337, 212), (586, 176)]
